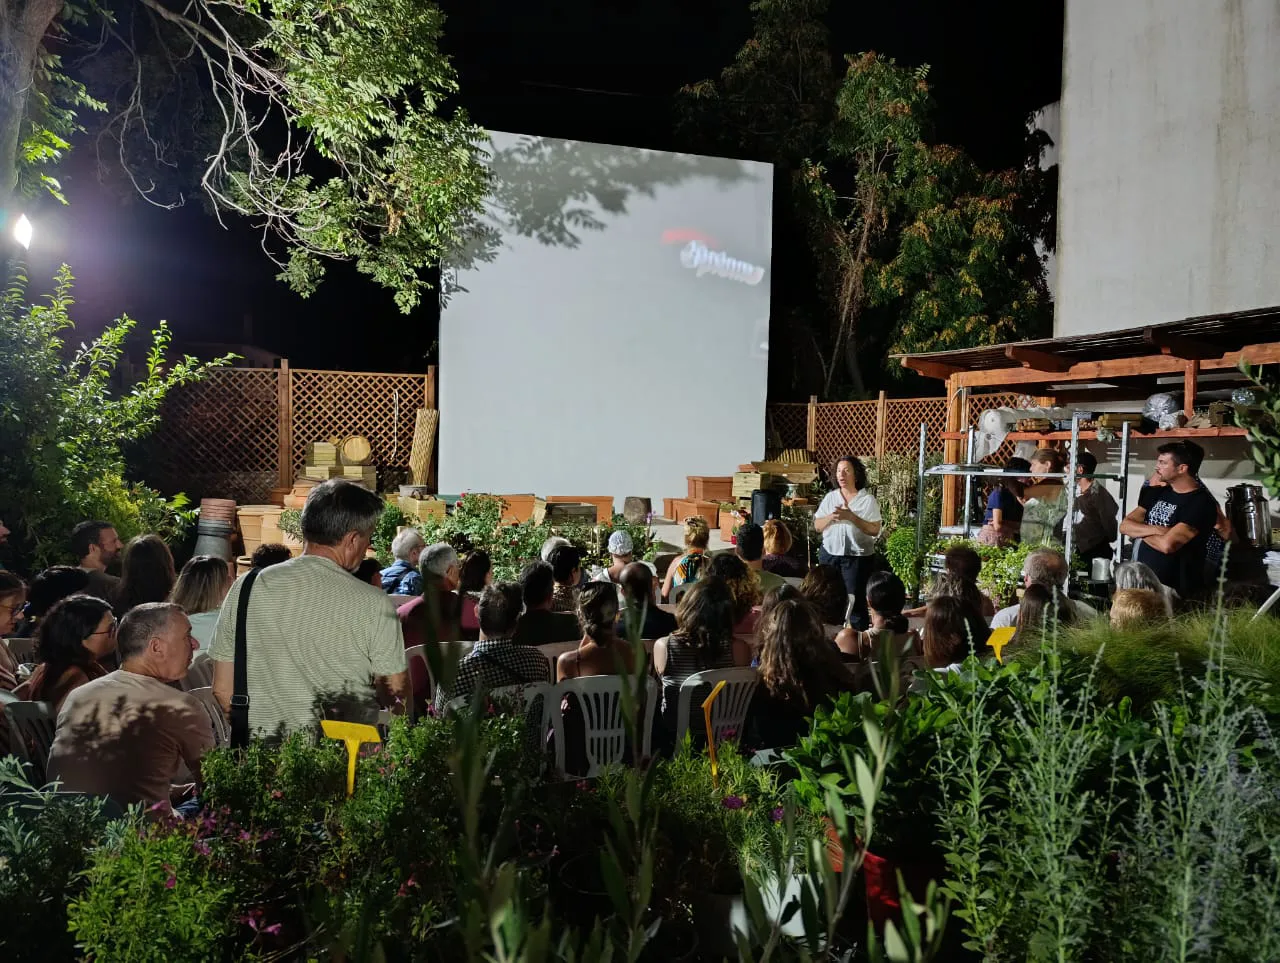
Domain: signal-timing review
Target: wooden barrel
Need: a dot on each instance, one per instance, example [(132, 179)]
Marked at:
[(355, 450)]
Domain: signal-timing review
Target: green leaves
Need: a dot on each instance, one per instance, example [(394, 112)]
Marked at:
[(1262, 421)]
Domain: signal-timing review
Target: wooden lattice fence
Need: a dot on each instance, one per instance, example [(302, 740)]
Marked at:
[(242, 431)]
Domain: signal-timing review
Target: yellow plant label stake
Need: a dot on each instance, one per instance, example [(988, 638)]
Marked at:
[(354, 734), (711, 737), (999, 638)]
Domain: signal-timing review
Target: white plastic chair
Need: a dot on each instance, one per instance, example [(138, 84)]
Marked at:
[(31, 730), (677, 591), (199, 675), (217, 718), (728, 712), (22, 650), (792, 580), (600, 699)]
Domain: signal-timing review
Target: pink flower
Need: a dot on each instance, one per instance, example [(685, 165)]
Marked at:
[(272, 930), (244, 836), (171, 882), (202, 848), (277, 794), (777, 814), (733, 802)]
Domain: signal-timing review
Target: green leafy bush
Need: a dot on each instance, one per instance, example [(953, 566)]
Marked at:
[(901, 554), (65, 425), (45, 839)]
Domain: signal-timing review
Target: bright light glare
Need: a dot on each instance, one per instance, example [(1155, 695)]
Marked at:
[(22, 231)]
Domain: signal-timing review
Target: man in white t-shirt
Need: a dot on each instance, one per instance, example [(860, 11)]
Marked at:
[(849, 521)]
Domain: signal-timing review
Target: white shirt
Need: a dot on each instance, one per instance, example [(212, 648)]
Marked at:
[(1008, 618), (846, 538), (203, 625)]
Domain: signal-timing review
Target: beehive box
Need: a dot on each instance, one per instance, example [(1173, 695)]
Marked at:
[(710, 488), (565, 513), (746, 482), (603, 504), (320, 472), (322, 453), (687, 507), (423, 509)]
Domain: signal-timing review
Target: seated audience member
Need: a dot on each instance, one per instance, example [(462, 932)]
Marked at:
[(319, 640), (72, 638), (964, 565), (689, 566), (434, 616), (126, 735), (495, 661), (199, 591), (1135, 575), (539, 625), (550, 545), (13, 599), (1002, 523), (640, 609), (600, 652), (1042, 608), (968, 595), (782, 593), (799, 671), (742, 586), (1132, 608), (47, 589), (369, 570), (824, 588), (777, 543), (621, 554), (1048, 567), (146, 573), (886, 596), (566, 566), (402, 577), (273, 553), (703, 639), (946, 635), (751, 550), (97, 545)]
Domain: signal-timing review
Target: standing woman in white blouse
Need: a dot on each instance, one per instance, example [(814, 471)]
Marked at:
[(849, 520)]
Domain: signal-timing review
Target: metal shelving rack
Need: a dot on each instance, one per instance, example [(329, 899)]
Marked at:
[(1067, 477)]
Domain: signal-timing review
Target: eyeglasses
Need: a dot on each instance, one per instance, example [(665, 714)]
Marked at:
[(109, 631), (16, 610)]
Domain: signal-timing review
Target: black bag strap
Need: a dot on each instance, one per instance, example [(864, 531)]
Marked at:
[(240, 668)]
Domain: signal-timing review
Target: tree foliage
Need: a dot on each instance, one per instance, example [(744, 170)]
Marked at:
[(910, 244), (324, 122), (65, 424)]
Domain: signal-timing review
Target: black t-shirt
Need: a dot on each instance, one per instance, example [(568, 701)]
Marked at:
[(1183, 570)]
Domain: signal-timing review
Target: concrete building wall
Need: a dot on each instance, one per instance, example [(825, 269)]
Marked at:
[(1169, 197)]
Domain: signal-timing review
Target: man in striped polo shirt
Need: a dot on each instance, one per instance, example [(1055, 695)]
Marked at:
[(319, 639)]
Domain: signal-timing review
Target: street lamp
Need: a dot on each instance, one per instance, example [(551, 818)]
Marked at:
[(22, 231)]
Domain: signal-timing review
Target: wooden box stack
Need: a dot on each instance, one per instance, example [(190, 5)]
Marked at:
[(603, 504), (565, 513), (322, 461), (686, 507), (746, 482), (365, 475), (421, 509), (710, 488)]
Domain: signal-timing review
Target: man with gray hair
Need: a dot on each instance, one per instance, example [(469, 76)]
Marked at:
[(126, 734), (401, 577), (317, 639), (436, 614), (1047, 567)]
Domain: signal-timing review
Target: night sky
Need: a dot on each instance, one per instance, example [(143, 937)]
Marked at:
[(602, 71)]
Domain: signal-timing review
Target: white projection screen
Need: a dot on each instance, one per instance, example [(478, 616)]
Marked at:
[(607, 330)]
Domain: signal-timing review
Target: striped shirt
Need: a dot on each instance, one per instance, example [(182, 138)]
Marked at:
[(317, 637)]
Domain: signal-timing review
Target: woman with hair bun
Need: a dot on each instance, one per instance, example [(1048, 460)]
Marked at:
[(600, 652)]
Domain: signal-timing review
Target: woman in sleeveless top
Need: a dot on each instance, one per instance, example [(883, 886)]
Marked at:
[(702, 640), (690, 566), (600, 652), (886, 595)]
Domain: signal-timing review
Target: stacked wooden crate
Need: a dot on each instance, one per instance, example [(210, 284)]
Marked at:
[(322, 461)]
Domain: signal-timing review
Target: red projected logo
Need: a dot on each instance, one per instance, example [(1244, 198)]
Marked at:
[(701, 255)]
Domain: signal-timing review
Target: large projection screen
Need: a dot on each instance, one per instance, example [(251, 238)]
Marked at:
[(607, 331)]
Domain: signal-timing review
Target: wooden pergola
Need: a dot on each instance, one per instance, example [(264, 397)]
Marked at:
[(1125, 365)]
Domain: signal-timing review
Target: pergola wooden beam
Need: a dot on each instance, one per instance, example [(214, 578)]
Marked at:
[(1156, 364), (1037, 358), (1180, 346), (930, 369)]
